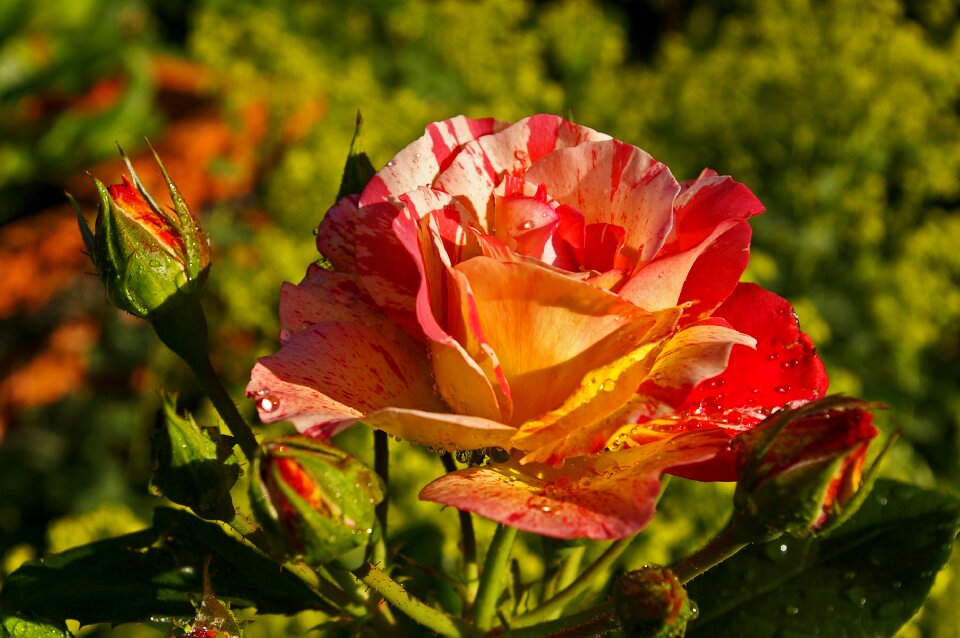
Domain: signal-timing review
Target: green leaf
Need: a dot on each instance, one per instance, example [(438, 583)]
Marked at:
[(865, 580), (358, 170), (15, 626), (193, 466), (155, 572)]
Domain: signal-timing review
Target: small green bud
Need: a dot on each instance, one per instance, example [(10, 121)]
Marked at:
[(148, 258), (802, 470), (320, 499), (651, 603), (193, 466)]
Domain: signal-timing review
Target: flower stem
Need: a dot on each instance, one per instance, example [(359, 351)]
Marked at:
[(722, 547), (184, 330), (588, 623), (381, 465), (468, 543), (396, 595), (577, 588), (491, 581)]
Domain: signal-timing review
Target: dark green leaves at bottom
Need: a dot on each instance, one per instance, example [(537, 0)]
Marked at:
[(15, 626), (156, 572), (865, 580)]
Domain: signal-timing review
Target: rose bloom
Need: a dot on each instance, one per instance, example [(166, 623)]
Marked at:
[(545, 289)]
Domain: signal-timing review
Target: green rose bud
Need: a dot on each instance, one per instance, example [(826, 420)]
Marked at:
[(148, 258), (801, 470), (318, 498), (651, 603)]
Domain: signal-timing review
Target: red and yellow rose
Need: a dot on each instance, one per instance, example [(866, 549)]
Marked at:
[(542, 288)]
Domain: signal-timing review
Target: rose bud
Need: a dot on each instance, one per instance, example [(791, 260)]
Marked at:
[(318, 498), (801, 470), (148, 258), (651, 602)]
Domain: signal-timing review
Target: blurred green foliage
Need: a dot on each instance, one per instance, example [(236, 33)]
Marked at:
[(842, 116)]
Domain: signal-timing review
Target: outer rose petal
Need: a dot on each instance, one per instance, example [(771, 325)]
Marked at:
[(707, 202), (615, 183), (325, 296), (335, 369), (335, 236), (604, 500), (784, 368)]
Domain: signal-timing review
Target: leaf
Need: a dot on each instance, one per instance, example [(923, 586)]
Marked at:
[(867, 579), (193, 466), (16, 626), (358, 169), (155, 572)]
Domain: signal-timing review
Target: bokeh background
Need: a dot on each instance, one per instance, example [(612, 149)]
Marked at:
[(843, 116)]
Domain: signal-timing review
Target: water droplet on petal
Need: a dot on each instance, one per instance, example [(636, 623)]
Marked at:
[(267, 402), (792, 363), (608, 385), (782, 389), (527, 225)]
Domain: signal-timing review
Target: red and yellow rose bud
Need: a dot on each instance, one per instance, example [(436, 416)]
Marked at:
[(149, 258), (801, 471), (651, 603), (319, 499)]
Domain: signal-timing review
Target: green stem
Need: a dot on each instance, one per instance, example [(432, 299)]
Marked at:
[(568, 574), (577, 588), (595, 621), (184, 330), (381, 465), (491, 582), (396, 595), (725, 545), (468, 547)]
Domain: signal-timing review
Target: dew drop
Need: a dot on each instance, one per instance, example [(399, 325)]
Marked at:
[(608, 385), (154, 263), (773, 356), (782, 389), (793, 610), (391, 164), (266, 402), (792, 363), (527, 225)]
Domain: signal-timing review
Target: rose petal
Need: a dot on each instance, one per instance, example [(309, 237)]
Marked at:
[(325, 296), (335, 369), (601, 393), (669, 280), (545, 328), (473, 174), (784, 367), (707, 202), (612, 499), (421, 160), (449, 432), (335, 235), (615, 183)]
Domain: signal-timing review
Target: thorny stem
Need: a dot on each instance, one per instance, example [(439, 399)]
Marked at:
[(725, 545), (575, 590), (468, 543), (396, 595), (596, 621), (184, 330), (491, 581)]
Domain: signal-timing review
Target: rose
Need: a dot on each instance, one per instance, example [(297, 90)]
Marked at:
[(541, 288)]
